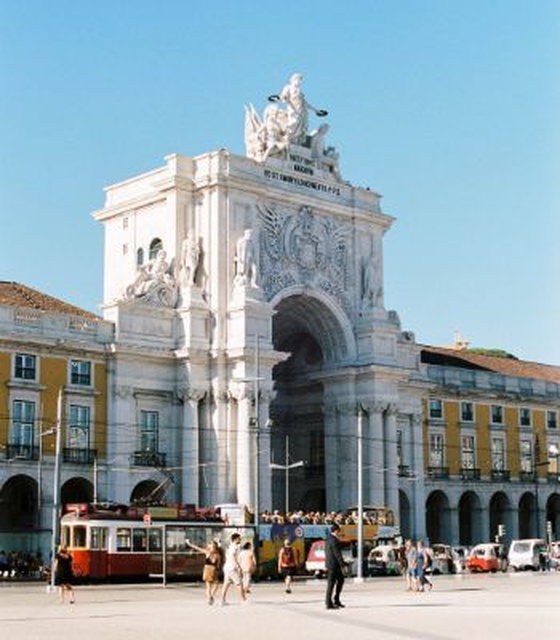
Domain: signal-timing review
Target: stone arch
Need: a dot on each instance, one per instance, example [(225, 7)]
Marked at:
[(314, 312), (76, 490), (500, 513), (553, 514), (438, 517), (147, 491), (527, 515), (155, 245), (405, 515), (470, 530), (19, 504)]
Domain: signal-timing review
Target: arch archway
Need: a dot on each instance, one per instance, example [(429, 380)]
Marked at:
[(500, 509), (76, 490), (553, 514), (318, 337), (527, 516), (438, 518), (19, 504), (147, 491), (470, 532), (404, 515)]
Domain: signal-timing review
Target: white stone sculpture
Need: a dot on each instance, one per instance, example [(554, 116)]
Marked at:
[(297, 110), (246, 260), (190, 260), (155, 283), (369, 290)]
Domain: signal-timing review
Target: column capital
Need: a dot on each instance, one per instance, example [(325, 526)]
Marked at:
[(241, 391), (194, 395), (374, 406), (392, 409)]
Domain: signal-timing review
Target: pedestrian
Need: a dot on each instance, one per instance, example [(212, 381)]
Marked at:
[(212, 566), (287, 564), (248, 564), (335, 566), (410, 560), (63, 574), (421, 566), (232, 569)]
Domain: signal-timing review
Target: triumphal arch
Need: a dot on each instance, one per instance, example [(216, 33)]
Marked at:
[(250, 326)]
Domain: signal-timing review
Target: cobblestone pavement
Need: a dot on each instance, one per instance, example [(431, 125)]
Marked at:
[(472, 606)]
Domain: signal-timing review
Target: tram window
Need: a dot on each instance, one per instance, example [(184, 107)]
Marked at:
[(123, 540), (139, 541), (79, 537), (65, 537), (176, 539), (98, 538), (154, 539)]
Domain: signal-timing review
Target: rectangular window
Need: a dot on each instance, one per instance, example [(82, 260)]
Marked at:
[(467, 412), (436, 409), (497, 414), (154, 539), (123, 540), (399, 448), (498, 454), (139, 540), (552, 420), (467, 452), (79, 537), (149, 427), (526, 456), (79, 427), (25, 367), (525, 417), (98, 538), (80, 372), (436, 450), (23, 423)]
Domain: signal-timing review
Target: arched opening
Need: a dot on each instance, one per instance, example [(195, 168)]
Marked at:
[(500, 514), (438, 518), (19, 504), (553, 514), (469, 520), (404, 515), (76, 490), (147, 492), (527, 516), (308, 328), (155, 245)]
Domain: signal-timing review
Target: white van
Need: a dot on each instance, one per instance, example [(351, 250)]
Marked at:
[(525, 554)]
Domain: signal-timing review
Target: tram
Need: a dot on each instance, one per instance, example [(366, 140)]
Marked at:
[(127, 543)]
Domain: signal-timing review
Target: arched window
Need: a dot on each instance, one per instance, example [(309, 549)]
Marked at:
[(140, 257), (155, 245)]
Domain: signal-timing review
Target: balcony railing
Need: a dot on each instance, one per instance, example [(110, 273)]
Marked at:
[(554, 478), (148, 459), (22, 452), (404, 471), (438, 473), (79, 456), (501, 475), (470, 474), (526, 476)]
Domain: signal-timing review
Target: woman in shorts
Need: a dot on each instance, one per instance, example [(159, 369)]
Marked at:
[(212, 566)]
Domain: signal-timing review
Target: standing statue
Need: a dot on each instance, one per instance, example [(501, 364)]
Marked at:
[(297, 109), (246, 260), (370, 292), (190, 260), (155, 283)]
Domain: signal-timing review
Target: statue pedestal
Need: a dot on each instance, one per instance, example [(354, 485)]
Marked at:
[(194, 327), (140, 324)]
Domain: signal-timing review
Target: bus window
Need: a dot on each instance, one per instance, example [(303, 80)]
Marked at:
[(139, 542), (123, 540), (79, 536), (65, 536), (98, 538), (154, 539)]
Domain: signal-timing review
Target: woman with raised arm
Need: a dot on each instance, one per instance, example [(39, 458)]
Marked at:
[(212, 566)]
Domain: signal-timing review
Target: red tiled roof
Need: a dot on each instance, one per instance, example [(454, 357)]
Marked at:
[(20, 295), (504, 366)]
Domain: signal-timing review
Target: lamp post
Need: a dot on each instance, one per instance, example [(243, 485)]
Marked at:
[(360, 572), (56, 489), (551, 451), (286, 468)]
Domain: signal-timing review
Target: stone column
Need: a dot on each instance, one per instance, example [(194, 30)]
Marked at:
[(453, 528), (376, 454), (391, 466), (419, 494), (483, 516), (332, 475), (348, 458), (265, 472), (245, 473), (190, 458)]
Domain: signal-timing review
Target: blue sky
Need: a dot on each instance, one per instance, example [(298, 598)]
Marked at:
[(450, 109)]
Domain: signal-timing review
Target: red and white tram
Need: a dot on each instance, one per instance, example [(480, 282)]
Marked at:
[(127, 543)]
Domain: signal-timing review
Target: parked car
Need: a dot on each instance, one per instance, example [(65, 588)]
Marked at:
[(487, 557), (526, 554), (554, 556), (383, 561), (460, 555), (315, 562), (442, 560)]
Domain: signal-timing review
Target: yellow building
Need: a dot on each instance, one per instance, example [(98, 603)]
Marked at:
[(491, 444), (48, 347)]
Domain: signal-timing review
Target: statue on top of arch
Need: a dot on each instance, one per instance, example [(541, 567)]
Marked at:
[(283, 128)]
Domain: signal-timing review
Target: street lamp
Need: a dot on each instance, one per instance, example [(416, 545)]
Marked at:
[(286, 468), (552, 451)]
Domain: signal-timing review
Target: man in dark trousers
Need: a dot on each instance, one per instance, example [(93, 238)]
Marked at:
[(335, 568)]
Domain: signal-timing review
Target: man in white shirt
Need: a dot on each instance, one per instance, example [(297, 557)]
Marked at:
[(232, 568)]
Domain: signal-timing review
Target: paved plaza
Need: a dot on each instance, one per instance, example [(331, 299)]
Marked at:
[(472, 606)]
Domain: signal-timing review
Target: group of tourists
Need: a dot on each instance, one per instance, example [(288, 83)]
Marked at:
[(417, 560), (20, 564), (320, 517)]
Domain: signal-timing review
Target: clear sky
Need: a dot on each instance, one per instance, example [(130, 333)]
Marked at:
[(450, 109)]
